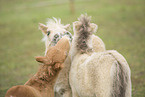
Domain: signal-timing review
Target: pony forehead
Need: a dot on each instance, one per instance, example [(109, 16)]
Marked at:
[(54, 23)]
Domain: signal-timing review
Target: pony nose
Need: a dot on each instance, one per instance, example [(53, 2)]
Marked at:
[(56, 35)]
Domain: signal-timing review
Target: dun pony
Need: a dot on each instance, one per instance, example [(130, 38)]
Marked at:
[(62, 87), (96, 74)]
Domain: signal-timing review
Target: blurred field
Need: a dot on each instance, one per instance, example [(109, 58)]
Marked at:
[(121, 26)]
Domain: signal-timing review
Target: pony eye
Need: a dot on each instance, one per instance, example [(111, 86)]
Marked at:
[(48, 32)]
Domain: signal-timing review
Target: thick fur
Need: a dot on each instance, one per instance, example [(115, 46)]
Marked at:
[(62, 87), (122, 80), (42, 83), (56, 54), (23, 91), (83, 33), (95, 75), (97, 44), (52, 28), (58, 30), (101, 74)]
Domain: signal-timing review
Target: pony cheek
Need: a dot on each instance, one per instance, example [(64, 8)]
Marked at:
[(50, 37)]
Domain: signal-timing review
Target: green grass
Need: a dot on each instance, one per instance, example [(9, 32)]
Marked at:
[(121, 26)]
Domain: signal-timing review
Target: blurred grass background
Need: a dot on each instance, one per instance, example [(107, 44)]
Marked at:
[(121, 26)]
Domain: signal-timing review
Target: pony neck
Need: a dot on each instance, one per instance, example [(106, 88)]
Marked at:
[(43, 78)]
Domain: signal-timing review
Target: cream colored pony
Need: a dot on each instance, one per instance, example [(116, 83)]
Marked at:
[(96, 74), (62, 87), (53, 31)]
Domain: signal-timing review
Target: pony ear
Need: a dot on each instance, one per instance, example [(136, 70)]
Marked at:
[(43, 28), (67, 27), (76, 25), (44, 60), (93, 27), (41, 59)]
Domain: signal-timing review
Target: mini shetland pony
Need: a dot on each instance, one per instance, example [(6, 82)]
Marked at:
[(42, 83), (62, 87), (101, 74)]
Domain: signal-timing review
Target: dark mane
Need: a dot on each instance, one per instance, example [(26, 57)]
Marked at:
[(83, 34)]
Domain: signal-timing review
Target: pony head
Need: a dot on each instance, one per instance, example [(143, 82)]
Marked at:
[(53, 31)]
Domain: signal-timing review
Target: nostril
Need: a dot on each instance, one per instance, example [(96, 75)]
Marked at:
[(48, 33), (56, 35)]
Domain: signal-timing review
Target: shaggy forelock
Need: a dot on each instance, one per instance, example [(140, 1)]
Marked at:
[(54, 23), (85, 20), (83, 33)]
